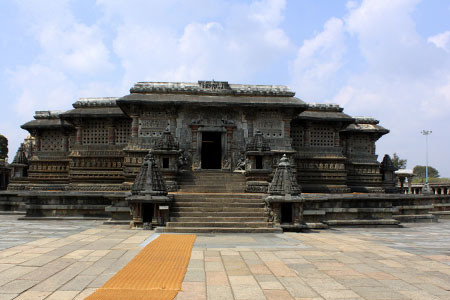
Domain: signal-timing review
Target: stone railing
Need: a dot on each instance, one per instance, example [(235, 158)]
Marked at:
[(437, 188)]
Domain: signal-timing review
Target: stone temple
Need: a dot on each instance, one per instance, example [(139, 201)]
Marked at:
[(214, 149)]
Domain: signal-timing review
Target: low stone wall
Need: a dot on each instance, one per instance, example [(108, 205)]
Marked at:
[(374, 209), (349, 210), (441, 206), (12, 202), (84, 205), (320, 210), (414, 208)]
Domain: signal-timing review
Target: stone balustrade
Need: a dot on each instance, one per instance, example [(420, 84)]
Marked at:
[(437, 188)]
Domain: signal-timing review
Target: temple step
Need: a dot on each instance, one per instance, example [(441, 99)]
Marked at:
[(215, 201), (211, 209), (212, 182), (214, 212), (218, 219), (214, 204), (219, 214), (245, 224), (220, 230)]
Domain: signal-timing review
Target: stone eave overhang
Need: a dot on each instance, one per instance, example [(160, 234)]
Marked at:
[(211, 100), (94, 112), (45, 124), (366, 128), (326, 116)]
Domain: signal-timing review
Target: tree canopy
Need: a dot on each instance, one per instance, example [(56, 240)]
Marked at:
[(398, 162), (3, 147), (419, 171)]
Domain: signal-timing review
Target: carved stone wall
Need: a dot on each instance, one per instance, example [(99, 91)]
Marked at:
[(94, 132), (51, 140), (319, 159)]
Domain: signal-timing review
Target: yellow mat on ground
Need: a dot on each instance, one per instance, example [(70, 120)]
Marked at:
[(156, 273)]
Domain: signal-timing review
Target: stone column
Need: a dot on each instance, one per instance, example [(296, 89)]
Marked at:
[(111, 132), (229, 139), (65, 142), (134, 125), (37, 142), (194, 129), (287, 128), (250, 118), (79, 136), (409, 184), (337, 139), (298, 213), (307, 132), (195, 148)]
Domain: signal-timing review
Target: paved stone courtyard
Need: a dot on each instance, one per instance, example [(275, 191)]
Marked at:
[(70, 259)]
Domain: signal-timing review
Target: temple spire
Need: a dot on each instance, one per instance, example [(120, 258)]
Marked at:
[(284, 182), (149, 181)]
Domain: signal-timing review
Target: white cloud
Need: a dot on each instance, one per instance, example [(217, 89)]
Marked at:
[(78, 49), (441, 40), (248, 39), (267, 12), (318, 61), (66, 44), (40, 88), (403, 78)]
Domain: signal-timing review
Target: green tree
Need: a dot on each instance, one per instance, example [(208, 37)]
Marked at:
[(398, 162), (420, 172), (3, 147)]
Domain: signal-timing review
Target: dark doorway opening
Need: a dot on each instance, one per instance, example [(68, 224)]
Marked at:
[(286, 212), (147, 212), (165, 162), (211, 150), (259, 162)]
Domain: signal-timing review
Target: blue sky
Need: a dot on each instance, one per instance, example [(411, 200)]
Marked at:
[(389, 59)]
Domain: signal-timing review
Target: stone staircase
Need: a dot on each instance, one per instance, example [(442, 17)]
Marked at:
[(211, 182), (213, 202)]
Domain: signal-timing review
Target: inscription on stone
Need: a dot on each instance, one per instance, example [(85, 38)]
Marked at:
[(214, 85)]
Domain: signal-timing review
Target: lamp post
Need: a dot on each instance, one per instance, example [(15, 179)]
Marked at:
[(426, 188)]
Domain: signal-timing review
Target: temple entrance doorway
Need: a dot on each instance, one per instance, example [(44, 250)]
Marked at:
[(147, 212), (211, 150)]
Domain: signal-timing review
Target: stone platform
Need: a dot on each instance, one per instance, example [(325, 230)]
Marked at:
[(76, 257)]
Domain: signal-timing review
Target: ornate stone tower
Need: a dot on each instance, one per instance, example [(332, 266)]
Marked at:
[(149, 202), (284, 205)]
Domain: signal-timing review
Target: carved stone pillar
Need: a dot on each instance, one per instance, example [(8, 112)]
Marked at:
[(287, 128), (111, 132), (409, 185), (37, 142), (307, 141), (134, 125), (195, 151), (276, 213), (250, 117), (337, 139), (79, 136), (194, 129), (229, 139), (65, 142)]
